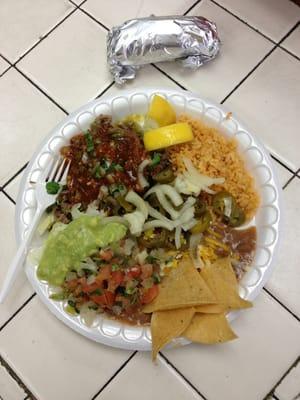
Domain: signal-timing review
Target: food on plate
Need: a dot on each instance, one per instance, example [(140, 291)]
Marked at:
[(149, 227), (166, 136), (167, 325), (182, 287), (66, 247), (161, 111), (209, 329)]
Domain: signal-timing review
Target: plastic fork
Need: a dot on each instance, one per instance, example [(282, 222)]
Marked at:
[(56, 171)]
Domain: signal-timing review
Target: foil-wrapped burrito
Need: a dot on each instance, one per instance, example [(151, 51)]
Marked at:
[(194, 40)]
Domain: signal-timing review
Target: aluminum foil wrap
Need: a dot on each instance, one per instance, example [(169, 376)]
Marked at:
[(193, 40)]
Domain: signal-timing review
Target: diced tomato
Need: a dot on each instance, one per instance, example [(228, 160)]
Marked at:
[(147, 271), (72, 284), (117, 276), (106, 255), (106, 299), (104, 273), (90, 288), (134, 272), (150, 294), (110, 297)]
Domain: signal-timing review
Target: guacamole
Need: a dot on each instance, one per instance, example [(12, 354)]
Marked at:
[(66, 249)]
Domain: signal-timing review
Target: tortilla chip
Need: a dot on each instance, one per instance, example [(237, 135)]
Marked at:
[(209, 329), (210, 308), (221, 279), (166, 325), (183, 287)]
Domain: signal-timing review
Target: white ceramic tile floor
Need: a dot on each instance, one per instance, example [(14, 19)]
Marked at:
[(23, 24), (76, 368), (22, 290), (3, 65), (70, 64), (73, 366), (10, 390), (274, 88), (282, 173), (134, 9), (26, 117), (292, 43), (272, 18), (235, 60), (165, 382), (249, 367), (289, 388), (12, 188), (284, 282)]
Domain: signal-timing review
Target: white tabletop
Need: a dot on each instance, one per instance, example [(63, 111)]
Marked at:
[(52, 60)]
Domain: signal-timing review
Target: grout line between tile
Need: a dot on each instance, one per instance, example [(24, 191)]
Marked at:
[(288, 181), (168, 76), (15, 175), (282, 163), (94, 19), (289, 52), (192, 6), (259, 63), (243, 21), (182, 376), (17, 311), (45, 35), (41, 90), (105, 90), (8, 196), (271, 393), (282, 305), (115, 374), (16, 378), (248, 74)]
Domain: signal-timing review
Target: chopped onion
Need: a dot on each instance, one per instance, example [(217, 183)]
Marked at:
[(177, 237), (156, 223), (141, 257), (115, 218), (136, 200), (136, 221), (191, 181), (141, 178), (87, 314), (88, 264), (189, 225), (228, 206), (70, 276), (169, 191), (75, 211), (46, 223), (166, 205), (91, 279), (156, 214), (193, 249), (187, 215), (172, 194), (128, 246)]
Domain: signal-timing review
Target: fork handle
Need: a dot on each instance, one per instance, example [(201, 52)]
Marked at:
[(18, 260)]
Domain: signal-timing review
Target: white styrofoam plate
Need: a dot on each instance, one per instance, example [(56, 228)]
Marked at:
[(267, 219)]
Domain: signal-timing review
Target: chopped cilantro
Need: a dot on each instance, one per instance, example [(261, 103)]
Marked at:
[(155, 159), (52, 187), (151, 259), (97, 171), (97, 292), (156, 277), (115, 267), (89, 142)]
